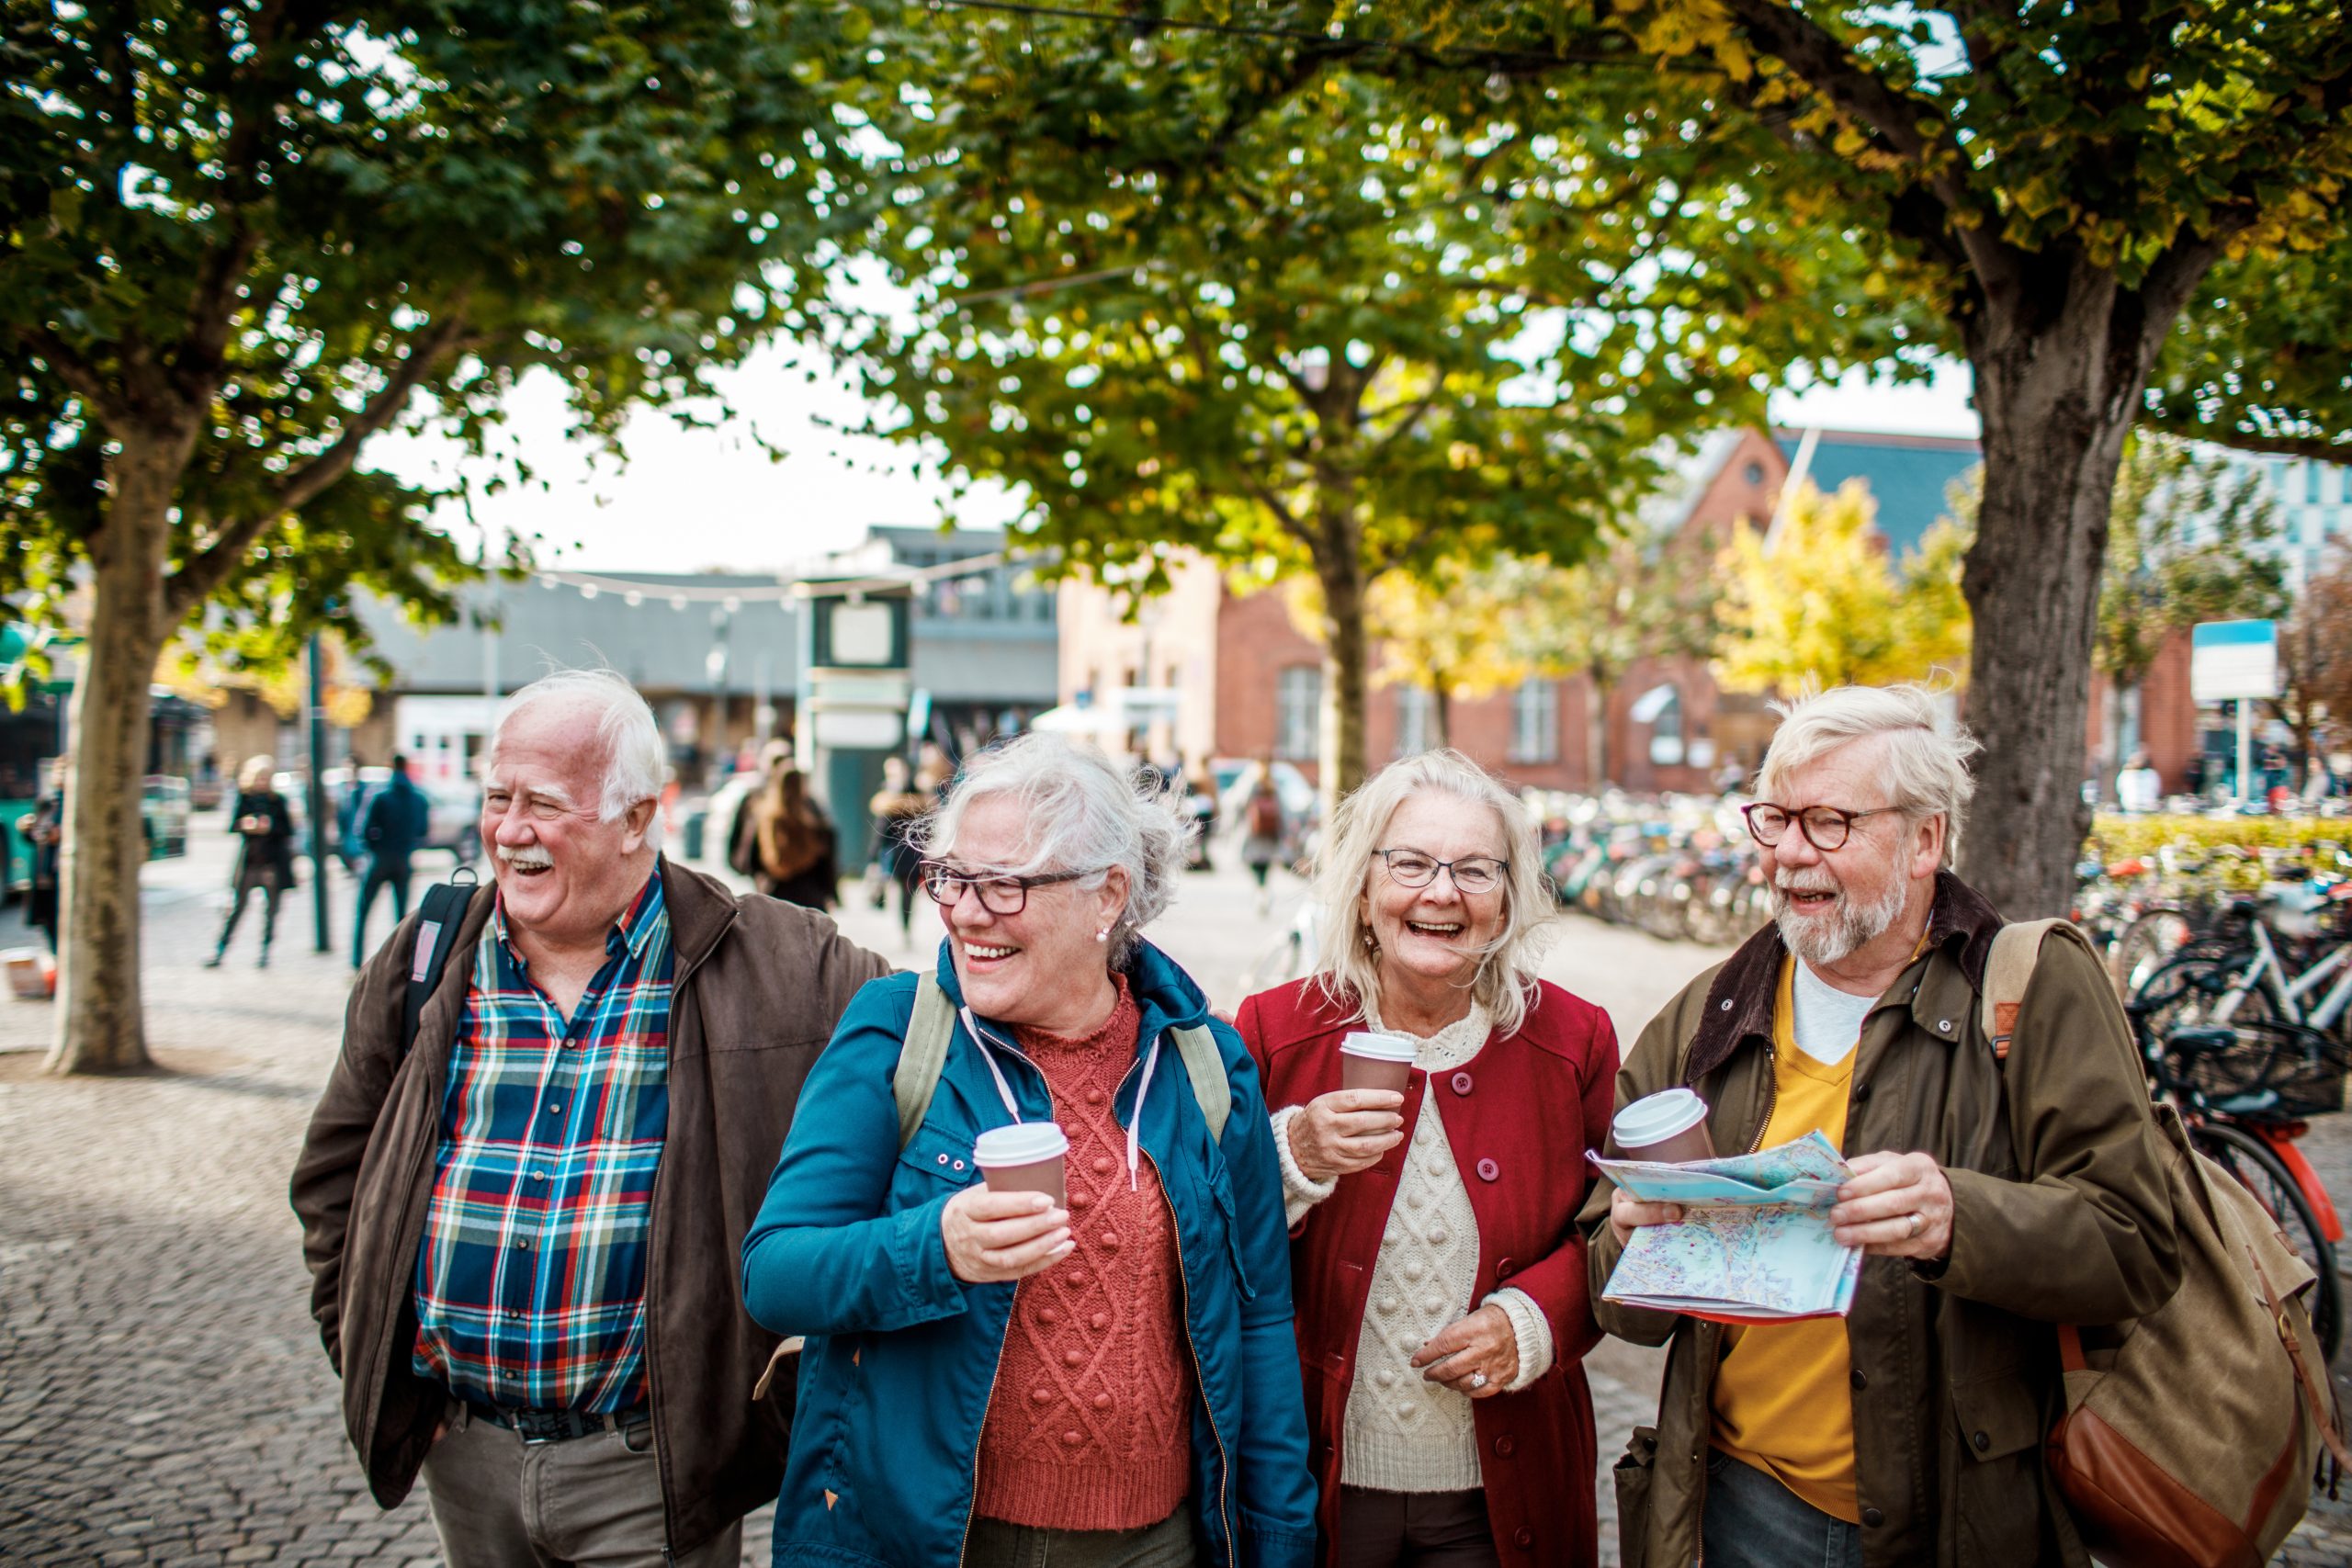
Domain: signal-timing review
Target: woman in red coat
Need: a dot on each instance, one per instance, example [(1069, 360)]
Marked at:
[(1442, 1313)]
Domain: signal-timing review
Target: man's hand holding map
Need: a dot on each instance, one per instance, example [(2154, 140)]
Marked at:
[(1753, 1245)]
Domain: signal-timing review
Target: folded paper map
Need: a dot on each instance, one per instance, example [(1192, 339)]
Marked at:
[(1753, 1245)]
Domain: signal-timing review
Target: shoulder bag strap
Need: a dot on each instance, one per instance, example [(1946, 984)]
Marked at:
[(2008, 970), (923, 1056), (437, 932), (1205, 1065)]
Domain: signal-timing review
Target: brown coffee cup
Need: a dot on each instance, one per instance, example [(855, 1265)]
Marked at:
[(1376, 1061), (1027, 1156), (1668, 1127)]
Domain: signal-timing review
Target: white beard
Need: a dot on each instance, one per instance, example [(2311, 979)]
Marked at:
[(1821, 943)]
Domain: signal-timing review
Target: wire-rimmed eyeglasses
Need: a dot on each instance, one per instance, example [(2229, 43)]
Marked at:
[(1000, 894), (1471, 873)]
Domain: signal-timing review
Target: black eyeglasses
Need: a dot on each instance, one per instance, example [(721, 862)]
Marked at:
[(1826, 828), (999, 894), (1472, 874)]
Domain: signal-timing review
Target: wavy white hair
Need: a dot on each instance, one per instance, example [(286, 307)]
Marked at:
[(627, 740), (1347, 968), (1081, 812), (1928, 749)]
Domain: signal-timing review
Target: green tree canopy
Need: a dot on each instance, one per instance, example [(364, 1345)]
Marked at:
[(243, 240)]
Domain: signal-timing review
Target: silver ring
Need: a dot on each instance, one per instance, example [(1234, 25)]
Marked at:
[(1478, 1380), (1918, 1224)]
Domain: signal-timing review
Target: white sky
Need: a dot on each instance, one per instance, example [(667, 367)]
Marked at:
[(695, 499)]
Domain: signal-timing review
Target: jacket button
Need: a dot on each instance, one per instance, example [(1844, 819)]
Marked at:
[(1522, 1537), (943, 1159), (1503, 1446), (1861, 1092), (1872, 1517), (1488, 1171), (1944, 1026), (1505, 1269), (1462, 1083), (1861, 1379), (1983, 1440), (1726, 1004)]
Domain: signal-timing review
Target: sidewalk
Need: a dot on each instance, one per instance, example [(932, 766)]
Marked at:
[(162, 1397)]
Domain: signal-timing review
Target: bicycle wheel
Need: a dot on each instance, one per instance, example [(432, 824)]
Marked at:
[(2146, 944), (2258, 1170)]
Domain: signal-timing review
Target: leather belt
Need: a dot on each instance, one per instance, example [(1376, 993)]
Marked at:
[(556, 1425)]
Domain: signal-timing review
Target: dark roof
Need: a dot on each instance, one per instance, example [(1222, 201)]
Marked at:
[(1908, 475)]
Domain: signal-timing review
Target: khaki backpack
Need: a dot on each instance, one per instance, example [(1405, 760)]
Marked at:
[(2191, 1436)]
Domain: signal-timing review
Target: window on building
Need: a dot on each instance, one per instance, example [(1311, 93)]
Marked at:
[(1298, 711), (1416, 721), (1535, 722)]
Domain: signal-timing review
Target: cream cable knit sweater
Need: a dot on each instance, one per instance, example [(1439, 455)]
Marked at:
[(1405, 1433)]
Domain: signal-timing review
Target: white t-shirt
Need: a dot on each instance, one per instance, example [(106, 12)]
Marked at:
[(1828, 1021)]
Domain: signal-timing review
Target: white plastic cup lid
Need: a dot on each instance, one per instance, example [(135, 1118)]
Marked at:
[(1023, 1142), (1380, 1047), (1655, 1118)]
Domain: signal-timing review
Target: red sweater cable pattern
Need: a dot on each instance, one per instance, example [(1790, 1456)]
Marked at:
[(1089, 1425)]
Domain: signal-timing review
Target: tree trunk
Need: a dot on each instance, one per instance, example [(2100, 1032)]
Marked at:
[(2061, 361), (99, 1023), (1339, 567), (1441, 711), (1596, 729)]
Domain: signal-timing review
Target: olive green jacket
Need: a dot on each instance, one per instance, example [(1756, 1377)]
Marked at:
[(2061, 1215)]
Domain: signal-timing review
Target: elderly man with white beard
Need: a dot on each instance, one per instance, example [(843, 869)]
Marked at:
[(522, 1223), (1995, 1191)]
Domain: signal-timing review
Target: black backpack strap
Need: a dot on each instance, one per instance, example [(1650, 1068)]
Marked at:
[(437, 934)]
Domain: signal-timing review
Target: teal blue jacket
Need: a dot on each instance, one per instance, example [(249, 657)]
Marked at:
[(901, 1355)]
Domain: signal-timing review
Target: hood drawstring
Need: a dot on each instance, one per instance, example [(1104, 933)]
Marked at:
[(1004, 1087)]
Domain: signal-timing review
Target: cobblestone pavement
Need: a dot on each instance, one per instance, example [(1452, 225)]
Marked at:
[(162, 1397)]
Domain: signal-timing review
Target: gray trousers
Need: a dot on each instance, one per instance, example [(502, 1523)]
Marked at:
[(1168, 1544), (592, 1502)]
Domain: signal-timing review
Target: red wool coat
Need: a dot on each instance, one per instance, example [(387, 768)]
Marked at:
[(1519, 1116)]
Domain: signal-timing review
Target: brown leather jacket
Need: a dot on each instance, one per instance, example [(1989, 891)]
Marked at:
[(2061, 1215), (757, 989)]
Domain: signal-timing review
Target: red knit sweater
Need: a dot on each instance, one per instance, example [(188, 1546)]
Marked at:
[(1089, 1425)]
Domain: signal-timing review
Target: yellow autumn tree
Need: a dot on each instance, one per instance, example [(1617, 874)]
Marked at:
[(1820, 601)]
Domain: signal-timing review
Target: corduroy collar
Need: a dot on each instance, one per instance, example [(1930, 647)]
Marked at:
[(1739, 1004)]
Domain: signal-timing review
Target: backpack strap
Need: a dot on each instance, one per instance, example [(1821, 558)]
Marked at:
[(2008, 970), (437, 932), (1205, 1065), (923, 1056)]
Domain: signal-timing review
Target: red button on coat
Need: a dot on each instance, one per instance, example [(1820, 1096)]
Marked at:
[(1503, 1445), (1524, 1536), (1462, 1083), (1488, 1171)]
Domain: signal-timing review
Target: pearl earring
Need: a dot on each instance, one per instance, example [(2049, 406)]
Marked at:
[(1103, 935)]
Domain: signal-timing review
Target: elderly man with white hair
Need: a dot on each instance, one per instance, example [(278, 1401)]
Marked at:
[(522, 1203), (1996, 1191)]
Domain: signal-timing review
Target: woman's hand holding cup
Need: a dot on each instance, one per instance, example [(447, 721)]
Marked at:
[(1346, 1131), (995, 1236)]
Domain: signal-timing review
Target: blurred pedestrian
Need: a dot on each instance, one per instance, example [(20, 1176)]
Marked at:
[(793, 851), (2139, 788), (44, 833), (1200, 799), (392, 826), (1262, 826), (518, 1308), (349, 802), (263, 824), (897, 809), (994, 1378), (743, 853), (1444, 1309)]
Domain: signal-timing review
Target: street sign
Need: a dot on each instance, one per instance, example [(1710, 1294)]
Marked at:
[(2233, 659)]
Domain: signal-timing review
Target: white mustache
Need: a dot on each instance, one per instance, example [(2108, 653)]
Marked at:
[(1805, 881), (530, 858)]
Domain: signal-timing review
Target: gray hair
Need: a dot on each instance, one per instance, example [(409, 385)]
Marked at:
[(1082, 813), (1347, 969), (1927, 748), (627, 740)]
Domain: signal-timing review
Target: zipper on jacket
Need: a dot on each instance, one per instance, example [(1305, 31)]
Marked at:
[(1200, 1380), (1771, 1097), (996, 1370)]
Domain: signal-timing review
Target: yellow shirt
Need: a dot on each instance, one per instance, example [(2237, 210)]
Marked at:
[(1784, 1395)]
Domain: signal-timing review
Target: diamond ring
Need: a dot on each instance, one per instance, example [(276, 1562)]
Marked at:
[(1478, 1380)]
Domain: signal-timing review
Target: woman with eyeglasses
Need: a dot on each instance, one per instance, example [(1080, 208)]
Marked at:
[(1442, 1307), (1099, 1378)]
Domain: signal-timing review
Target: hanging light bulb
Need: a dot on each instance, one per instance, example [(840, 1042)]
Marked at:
[(741, 13), (1498, 86), (1142, 51)]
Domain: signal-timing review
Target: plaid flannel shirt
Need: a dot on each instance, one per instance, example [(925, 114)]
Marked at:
[(530, 1283)]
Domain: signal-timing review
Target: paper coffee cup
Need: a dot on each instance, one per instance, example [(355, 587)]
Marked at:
[(1376, 1061), (1669, 1126), (1024, 1157)]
